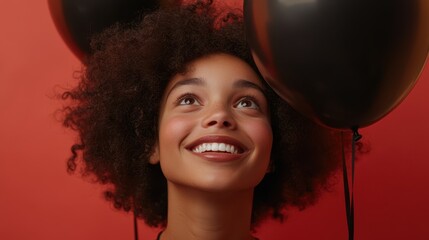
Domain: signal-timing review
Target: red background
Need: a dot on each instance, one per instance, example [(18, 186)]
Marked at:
[(39, 200)]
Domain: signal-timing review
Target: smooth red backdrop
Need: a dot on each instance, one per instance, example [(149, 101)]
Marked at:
[(39, 200)]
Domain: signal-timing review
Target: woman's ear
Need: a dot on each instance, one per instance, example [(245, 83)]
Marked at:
[(154, 157)]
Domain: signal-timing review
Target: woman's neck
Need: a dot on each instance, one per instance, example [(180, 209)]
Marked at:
[(199, 215)]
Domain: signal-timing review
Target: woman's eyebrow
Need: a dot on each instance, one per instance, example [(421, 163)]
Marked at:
[(242, 83), (188, 81)]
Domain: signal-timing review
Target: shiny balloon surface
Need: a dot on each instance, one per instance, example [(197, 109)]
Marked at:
[(343, 63), (78, 20)]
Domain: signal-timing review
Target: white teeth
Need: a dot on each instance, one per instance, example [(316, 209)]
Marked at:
[(222, 147), (215, 147)]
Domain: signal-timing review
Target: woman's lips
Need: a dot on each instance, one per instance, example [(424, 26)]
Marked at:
[(219, 156)]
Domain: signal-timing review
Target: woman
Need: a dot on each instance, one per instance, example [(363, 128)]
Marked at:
[(174, 118)]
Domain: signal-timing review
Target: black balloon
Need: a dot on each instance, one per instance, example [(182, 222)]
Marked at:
[(78, 20), (343, 63)]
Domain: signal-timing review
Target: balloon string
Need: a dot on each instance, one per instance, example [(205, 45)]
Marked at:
[(136, 232), (348, 190)]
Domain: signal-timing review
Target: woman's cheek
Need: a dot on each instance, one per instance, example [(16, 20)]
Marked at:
[(173, 129), (262, 135)]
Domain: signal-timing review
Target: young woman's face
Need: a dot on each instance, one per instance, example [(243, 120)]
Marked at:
[(214, 129)]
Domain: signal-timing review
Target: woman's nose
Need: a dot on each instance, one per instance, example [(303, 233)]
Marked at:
[(219, 116)]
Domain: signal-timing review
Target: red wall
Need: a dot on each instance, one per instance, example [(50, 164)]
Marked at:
[(39, 200)]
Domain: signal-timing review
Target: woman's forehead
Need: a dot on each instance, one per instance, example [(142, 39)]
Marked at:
[(218, 67)]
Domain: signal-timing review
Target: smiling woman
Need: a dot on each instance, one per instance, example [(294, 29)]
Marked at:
[(173, 115), (217, 109)]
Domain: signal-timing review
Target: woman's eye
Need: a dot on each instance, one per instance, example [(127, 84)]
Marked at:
[(188, 100), (247, 103)]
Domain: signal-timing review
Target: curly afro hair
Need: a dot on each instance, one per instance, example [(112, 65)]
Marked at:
[(115, 108)]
